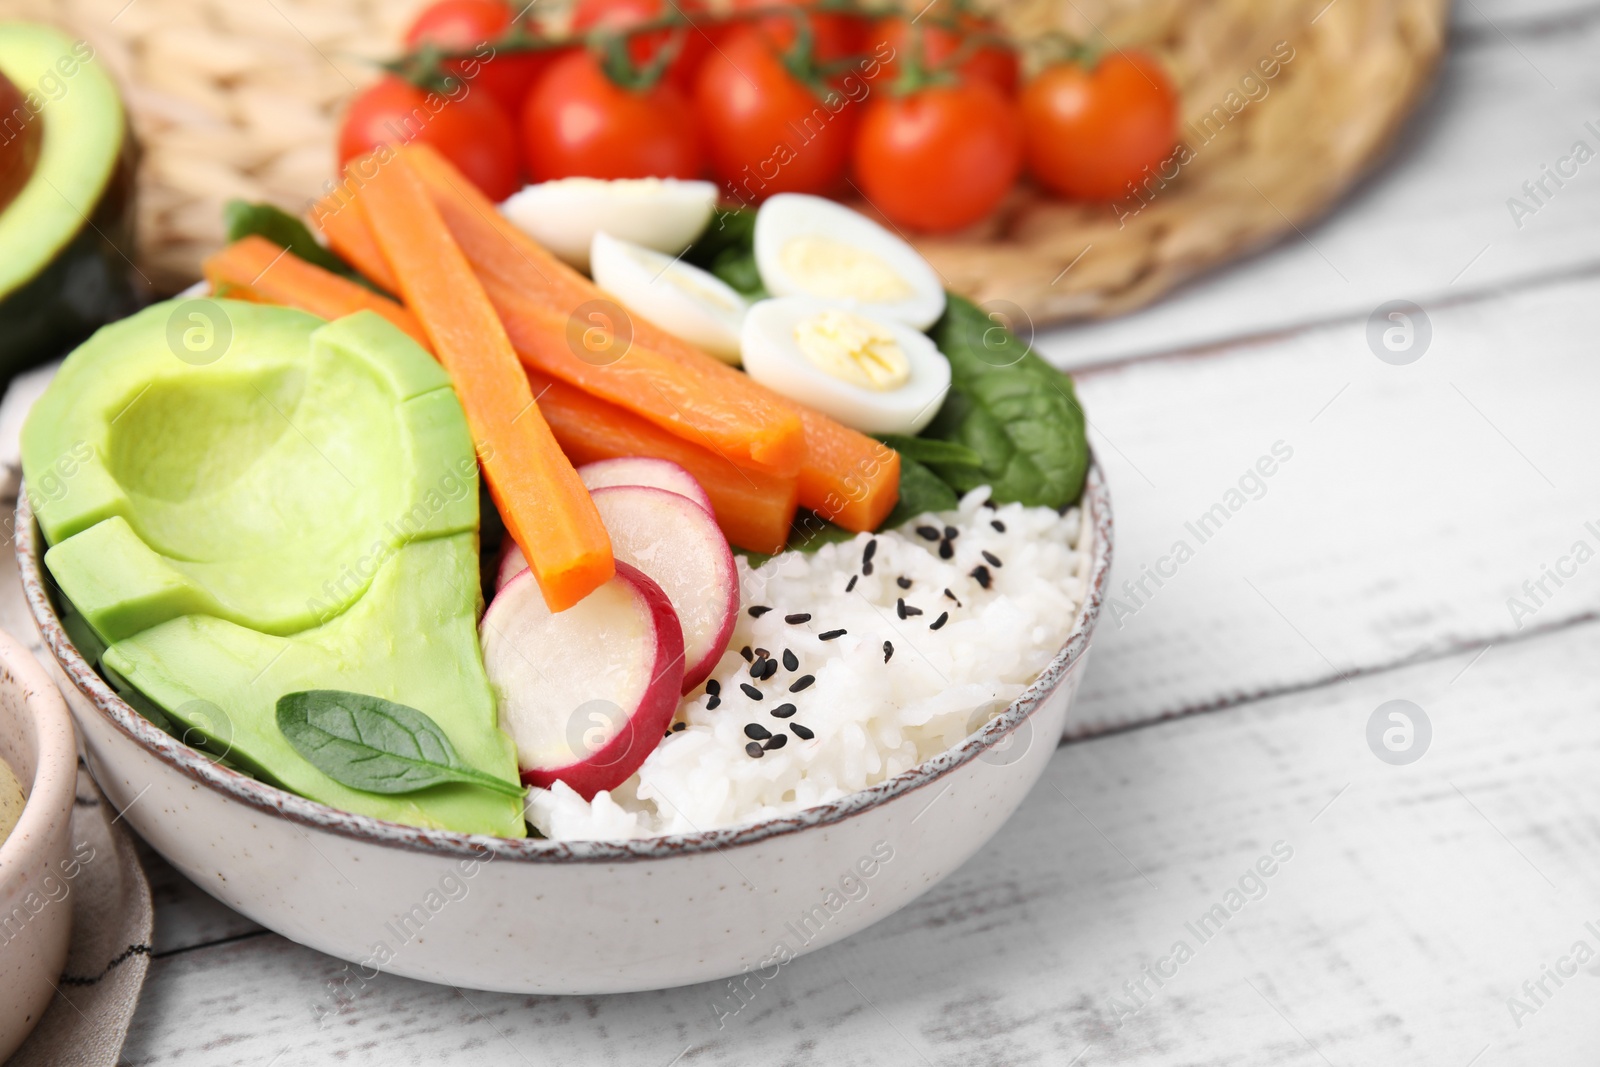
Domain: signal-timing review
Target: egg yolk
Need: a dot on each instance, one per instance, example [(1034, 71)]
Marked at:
[(853, 349), (834, 270)]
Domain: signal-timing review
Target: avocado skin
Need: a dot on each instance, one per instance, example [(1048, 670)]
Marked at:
[(87, 285)]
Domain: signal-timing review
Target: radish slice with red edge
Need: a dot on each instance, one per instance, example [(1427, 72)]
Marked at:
[(587, 693), (679, 545), (646, 471)]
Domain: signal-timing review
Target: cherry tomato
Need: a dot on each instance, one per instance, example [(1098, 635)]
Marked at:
[(474, 25), (576, 122), (994, 63), (766, 131), (1091, 132), (644, 47), (834, 36), (468, 129), (940, 158)]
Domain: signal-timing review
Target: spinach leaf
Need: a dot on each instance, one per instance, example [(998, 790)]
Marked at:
[(284, 230), (1018, 413), (727, 249), (375, 745), (932, 452), (920, 490)]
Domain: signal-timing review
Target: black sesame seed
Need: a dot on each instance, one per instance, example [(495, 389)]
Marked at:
[(713, 702), (763, 653), (994, 560), (888, 650), (952, 596), (750, 691), (791, 662), (756, 732), (803, 733), (850, 586), (758, 611), (756, 668), (679, 726), (753, 750), (797, 618), (802, 682), (903, 582), (783, 711), (944, 617), (999, 526), (946, 550), (713, 687), (777, 741), (904, 610), (870, 551), (866, 568), (981, 573), (831, 634), (990, 504), (951, 533), (928, 533), (772, 668), (747, 654)]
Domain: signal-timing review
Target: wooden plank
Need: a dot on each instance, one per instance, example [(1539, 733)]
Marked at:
[(1417, 899), (1417, 501), (1433, 224)]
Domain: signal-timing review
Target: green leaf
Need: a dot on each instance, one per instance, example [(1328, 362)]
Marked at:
[(921, 490), (727, 249), (1018, 413), (932, 452), (284, 230), (375, 745)]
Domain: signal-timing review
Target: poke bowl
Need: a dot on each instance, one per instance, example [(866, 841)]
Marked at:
[(751, 639)]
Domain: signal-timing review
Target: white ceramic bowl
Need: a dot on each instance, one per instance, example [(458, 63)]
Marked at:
[(37, 743), (536, 916)]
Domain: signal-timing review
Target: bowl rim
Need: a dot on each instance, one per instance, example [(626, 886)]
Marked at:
[(1095, 508), (49, 796)]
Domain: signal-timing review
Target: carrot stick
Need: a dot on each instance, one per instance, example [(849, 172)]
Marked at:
[(547, 510), (345, 228), (845, 476), (753, 508), (253, 268), (564, 326)]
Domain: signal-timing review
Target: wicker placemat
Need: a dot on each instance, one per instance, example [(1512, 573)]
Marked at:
[(240, 98)]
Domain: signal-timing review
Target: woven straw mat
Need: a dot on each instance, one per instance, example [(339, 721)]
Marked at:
[(241, 98)]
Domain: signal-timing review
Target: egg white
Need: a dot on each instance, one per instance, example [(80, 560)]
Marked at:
[(790, 215), (773, 357), (678, 297), (665, 214)]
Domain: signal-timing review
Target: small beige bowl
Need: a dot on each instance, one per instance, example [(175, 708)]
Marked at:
[(37, 743)]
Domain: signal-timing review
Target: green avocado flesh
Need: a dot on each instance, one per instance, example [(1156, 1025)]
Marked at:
[(65, 238), (243, 501)]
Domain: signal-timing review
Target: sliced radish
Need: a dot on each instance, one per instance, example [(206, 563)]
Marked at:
[(605, 474), (677, 543), (647, 471), (586, 694)]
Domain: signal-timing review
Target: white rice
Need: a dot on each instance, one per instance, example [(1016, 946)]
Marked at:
[(871, 719)]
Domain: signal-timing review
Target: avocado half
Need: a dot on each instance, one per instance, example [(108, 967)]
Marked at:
[(243, 501), (66, 236)]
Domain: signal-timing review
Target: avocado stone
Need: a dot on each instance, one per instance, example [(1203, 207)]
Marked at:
[(66, 237), (243, 501)]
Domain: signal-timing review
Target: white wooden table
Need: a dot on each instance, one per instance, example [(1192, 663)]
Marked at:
[(1375, 564)]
